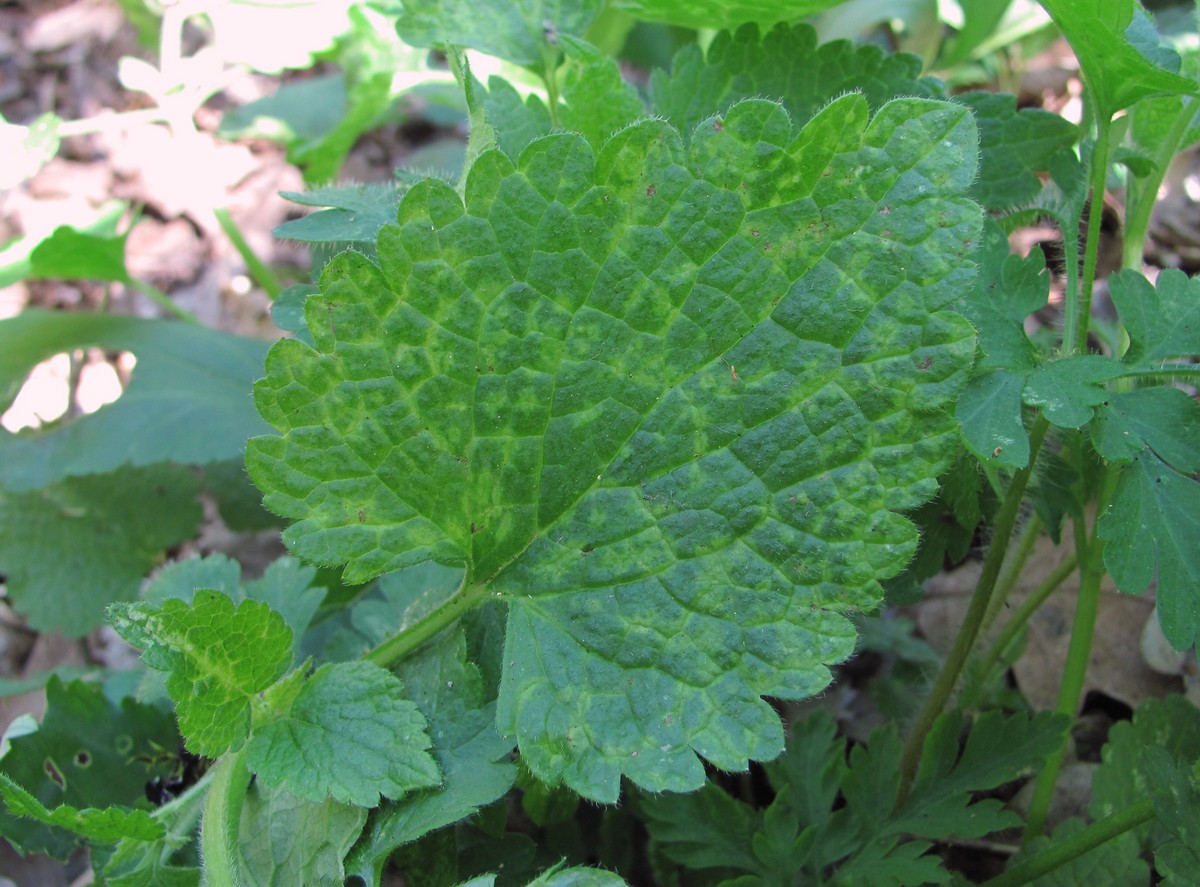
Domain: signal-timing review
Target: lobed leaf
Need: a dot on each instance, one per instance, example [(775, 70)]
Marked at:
[(1164, 419), (217, 658), (1152, 528), (349, 734), (1163, 318), (665, 401), (101, 826), (1017, 144), (1067, 389)]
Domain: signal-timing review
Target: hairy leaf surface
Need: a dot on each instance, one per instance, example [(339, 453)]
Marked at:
[(665, 401)]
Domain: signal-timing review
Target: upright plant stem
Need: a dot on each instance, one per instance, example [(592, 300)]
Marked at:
[(964, 642), (220, 852), (1075, 668), (1079, 309)]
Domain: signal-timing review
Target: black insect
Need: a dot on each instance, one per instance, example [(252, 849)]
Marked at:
[(188, 770)]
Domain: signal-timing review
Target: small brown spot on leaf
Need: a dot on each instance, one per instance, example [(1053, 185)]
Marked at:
[(718, 124), (996, 452), (362, 516), (926, 363), (651, 191)]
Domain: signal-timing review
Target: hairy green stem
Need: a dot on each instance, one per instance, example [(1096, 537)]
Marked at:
[(263, 275), (1091, 574), (1062, 852), (964, 642), (1014, 565), (1079, 309), (220, 853), (465, 599)]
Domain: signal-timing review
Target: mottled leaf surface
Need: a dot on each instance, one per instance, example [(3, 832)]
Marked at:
[(666, 401), (217, 658)]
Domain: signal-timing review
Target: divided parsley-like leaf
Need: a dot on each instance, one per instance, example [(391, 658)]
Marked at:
[(217, 657), (349, 734), (666, 401)]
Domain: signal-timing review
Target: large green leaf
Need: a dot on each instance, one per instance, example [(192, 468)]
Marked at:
[(186, 401), (74, 547), (1116, 71), (666, 401)]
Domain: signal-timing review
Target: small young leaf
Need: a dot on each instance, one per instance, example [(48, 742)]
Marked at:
[(72, 548), (510, 32), (217, 658), (288, 841), (1152, 527), (1163, 319), (471, 752), (597, 99), (1164, 419), (1066, 389), (350, 735)]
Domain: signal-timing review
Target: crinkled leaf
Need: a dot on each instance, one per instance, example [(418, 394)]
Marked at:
[(1164, 419), (516, 121), (513, 32), (1163, 319), (217, 658), (285, 586), (350, 735), (1016, 144), (71, 549), (787, 65), (724, 13), (1117, 74), (287, 841), (472, 754), (186, 401), (101, 826), (1115, 863), (88, 753), (989, 413), (666, 401), (998, 750), (1152, 529), (1066, 389)]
